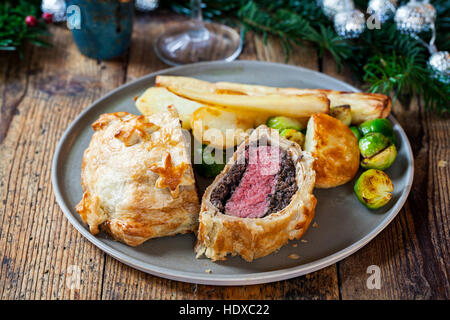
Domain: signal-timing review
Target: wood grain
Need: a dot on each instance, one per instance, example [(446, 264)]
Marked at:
[(43, 93), (37, 242)]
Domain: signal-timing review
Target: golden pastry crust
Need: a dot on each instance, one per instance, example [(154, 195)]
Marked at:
[(137, 178), (335, 150), (220, 234)]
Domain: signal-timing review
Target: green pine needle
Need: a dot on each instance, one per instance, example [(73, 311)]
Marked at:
[(14, 32), (386, 60)]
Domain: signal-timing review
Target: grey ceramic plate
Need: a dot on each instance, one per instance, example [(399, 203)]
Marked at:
[(344, 225)]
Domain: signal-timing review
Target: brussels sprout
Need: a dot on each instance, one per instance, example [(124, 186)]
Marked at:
[(374, 188), (293, 135), (356, 132), (281, 123), (210, 166), (383, 126), (382, 160), (343, 113), (372, 143)]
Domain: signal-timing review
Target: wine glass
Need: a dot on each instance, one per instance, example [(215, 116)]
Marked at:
[(196, 41)]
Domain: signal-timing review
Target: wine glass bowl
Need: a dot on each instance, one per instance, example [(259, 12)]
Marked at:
[(197, 41)]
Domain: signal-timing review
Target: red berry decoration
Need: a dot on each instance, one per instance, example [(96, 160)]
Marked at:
[(31, 21), (48, 17)]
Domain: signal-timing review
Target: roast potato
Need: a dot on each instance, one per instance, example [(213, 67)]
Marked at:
[(334, 148), (184, 82), (297, 106), (222, 127), (364, 106), (156, 99), (343, 113)]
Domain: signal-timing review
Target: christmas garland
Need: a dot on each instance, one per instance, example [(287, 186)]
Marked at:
[(385, 59)]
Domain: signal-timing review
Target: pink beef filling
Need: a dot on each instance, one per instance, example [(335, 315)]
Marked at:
[(250, 199)]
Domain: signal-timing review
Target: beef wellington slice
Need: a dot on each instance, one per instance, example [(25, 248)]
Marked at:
[(261, 199)]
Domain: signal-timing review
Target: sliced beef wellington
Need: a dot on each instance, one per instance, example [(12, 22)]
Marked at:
[(262, 199)]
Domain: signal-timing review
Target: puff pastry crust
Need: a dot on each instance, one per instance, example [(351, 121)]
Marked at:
[(335, 150), (137, 178), (220, 234)]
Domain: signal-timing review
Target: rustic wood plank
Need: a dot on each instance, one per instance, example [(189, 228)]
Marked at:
[(14, 83), (41, 95), (411, 252), (37, 242)]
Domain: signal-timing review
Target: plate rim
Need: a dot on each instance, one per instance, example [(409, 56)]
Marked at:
[(235, 279)]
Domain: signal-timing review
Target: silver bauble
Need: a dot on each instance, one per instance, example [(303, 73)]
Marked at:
[(384, 9), (439, 64), (56, 7), (349, 24), (332, 7), (430, 12), (146, 5), (414, 17)]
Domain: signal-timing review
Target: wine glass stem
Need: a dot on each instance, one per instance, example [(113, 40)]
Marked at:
[(199, 32), (196, 11)]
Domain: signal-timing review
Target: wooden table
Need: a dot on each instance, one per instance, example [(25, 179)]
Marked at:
[(44, 92)]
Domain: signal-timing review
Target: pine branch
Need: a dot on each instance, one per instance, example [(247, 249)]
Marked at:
[(406, 75), (14, 32), (386, 60), (291, 28)]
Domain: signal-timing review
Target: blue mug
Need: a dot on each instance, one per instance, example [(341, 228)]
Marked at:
[(101, 28)]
